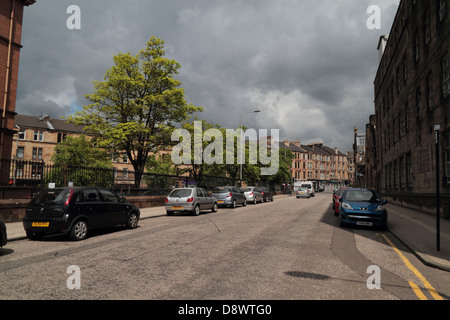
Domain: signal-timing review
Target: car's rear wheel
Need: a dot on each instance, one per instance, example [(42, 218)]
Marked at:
[(197, 210), (214, 207), (79, 230)]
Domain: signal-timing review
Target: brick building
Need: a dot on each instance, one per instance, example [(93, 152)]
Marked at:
[(11, 13), (412, 95)]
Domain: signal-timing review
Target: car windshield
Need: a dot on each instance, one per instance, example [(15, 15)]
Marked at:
[(53, 196), (302, 189), (221, 190), (180, 193), (361, 196), (306, 186)]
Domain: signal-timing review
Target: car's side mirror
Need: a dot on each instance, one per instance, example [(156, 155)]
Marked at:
[(122, 199)]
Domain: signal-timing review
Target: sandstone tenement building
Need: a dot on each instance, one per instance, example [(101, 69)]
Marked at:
[(412, 95)]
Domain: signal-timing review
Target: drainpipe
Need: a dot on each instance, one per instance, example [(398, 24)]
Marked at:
[(8, 67)]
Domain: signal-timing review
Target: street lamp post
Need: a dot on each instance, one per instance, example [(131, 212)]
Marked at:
[(240, 167), (438, 200)]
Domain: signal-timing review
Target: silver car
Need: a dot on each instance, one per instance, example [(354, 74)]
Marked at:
[(229, 196), (252, 195), (192, 200), (303, 192)]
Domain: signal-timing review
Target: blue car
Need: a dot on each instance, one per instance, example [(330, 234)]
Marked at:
[(362, 207)]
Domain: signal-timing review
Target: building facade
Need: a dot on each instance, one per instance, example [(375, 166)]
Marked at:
[(317, 162), (412, 95), (11, 14), (37, 138)]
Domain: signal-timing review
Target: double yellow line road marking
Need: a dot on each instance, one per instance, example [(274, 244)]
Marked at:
[(424, 281)]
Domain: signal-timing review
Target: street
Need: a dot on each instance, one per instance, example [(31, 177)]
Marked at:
[(289, 249)]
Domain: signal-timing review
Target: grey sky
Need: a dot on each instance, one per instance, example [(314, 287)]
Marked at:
[(307, 65)]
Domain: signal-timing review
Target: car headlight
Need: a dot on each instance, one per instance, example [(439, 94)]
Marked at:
[(345, 205), (380, 208)]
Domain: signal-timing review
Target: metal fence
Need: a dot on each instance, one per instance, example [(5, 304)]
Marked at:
[(22, 178)]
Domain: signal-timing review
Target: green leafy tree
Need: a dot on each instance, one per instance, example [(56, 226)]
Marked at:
[(135, 108), (160, 172), (197, 166), (284, 174), (78, 161), (79, 151)]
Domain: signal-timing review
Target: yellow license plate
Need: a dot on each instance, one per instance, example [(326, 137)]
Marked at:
[(221, 201), (40, 224), (177, 208)]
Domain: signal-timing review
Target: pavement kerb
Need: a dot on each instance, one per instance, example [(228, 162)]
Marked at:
[(423, 257)]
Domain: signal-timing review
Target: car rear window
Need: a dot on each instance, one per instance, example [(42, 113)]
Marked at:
[(49, 197), (221, 190), (180, 193)]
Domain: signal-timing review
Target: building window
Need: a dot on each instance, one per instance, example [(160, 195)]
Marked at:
[(430, 92), (445, 77), (442, 9), (418, 99), (406, 117), (447, 157), (22, 134), (409, 176), (125, 173), (401, 172), (396, 173), (20, 152), (36, 171), (416, 47), (405, 70), (37, 153), (61, 137), (426, 29), (38, 136)]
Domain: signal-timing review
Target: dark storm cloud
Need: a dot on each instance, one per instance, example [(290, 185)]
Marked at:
[(307, 65)]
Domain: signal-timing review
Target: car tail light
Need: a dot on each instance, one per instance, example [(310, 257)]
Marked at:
[(250, 194), (191, 199), (262, 193), (167, 200), (229, 195), (68, 197)]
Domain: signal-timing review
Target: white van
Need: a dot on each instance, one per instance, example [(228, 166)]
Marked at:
[(310, 186)]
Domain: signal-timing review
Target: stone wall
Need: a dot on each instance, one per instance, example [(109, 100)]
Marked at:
[(14, 210)]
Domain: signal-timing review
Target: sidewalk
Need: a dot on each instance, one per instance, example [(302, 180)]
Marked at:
[(415, 229)]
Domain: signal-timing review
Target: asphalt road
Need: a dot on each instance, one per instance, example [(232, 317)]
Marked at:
[(289, 249)]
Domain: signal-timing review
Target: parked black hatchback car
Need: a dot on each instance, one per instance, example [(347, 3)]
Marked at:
[(3, 237), (76, 211)]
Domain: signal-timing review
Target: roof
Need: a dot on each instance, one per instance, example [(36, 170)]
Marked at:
[(46, 123)]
